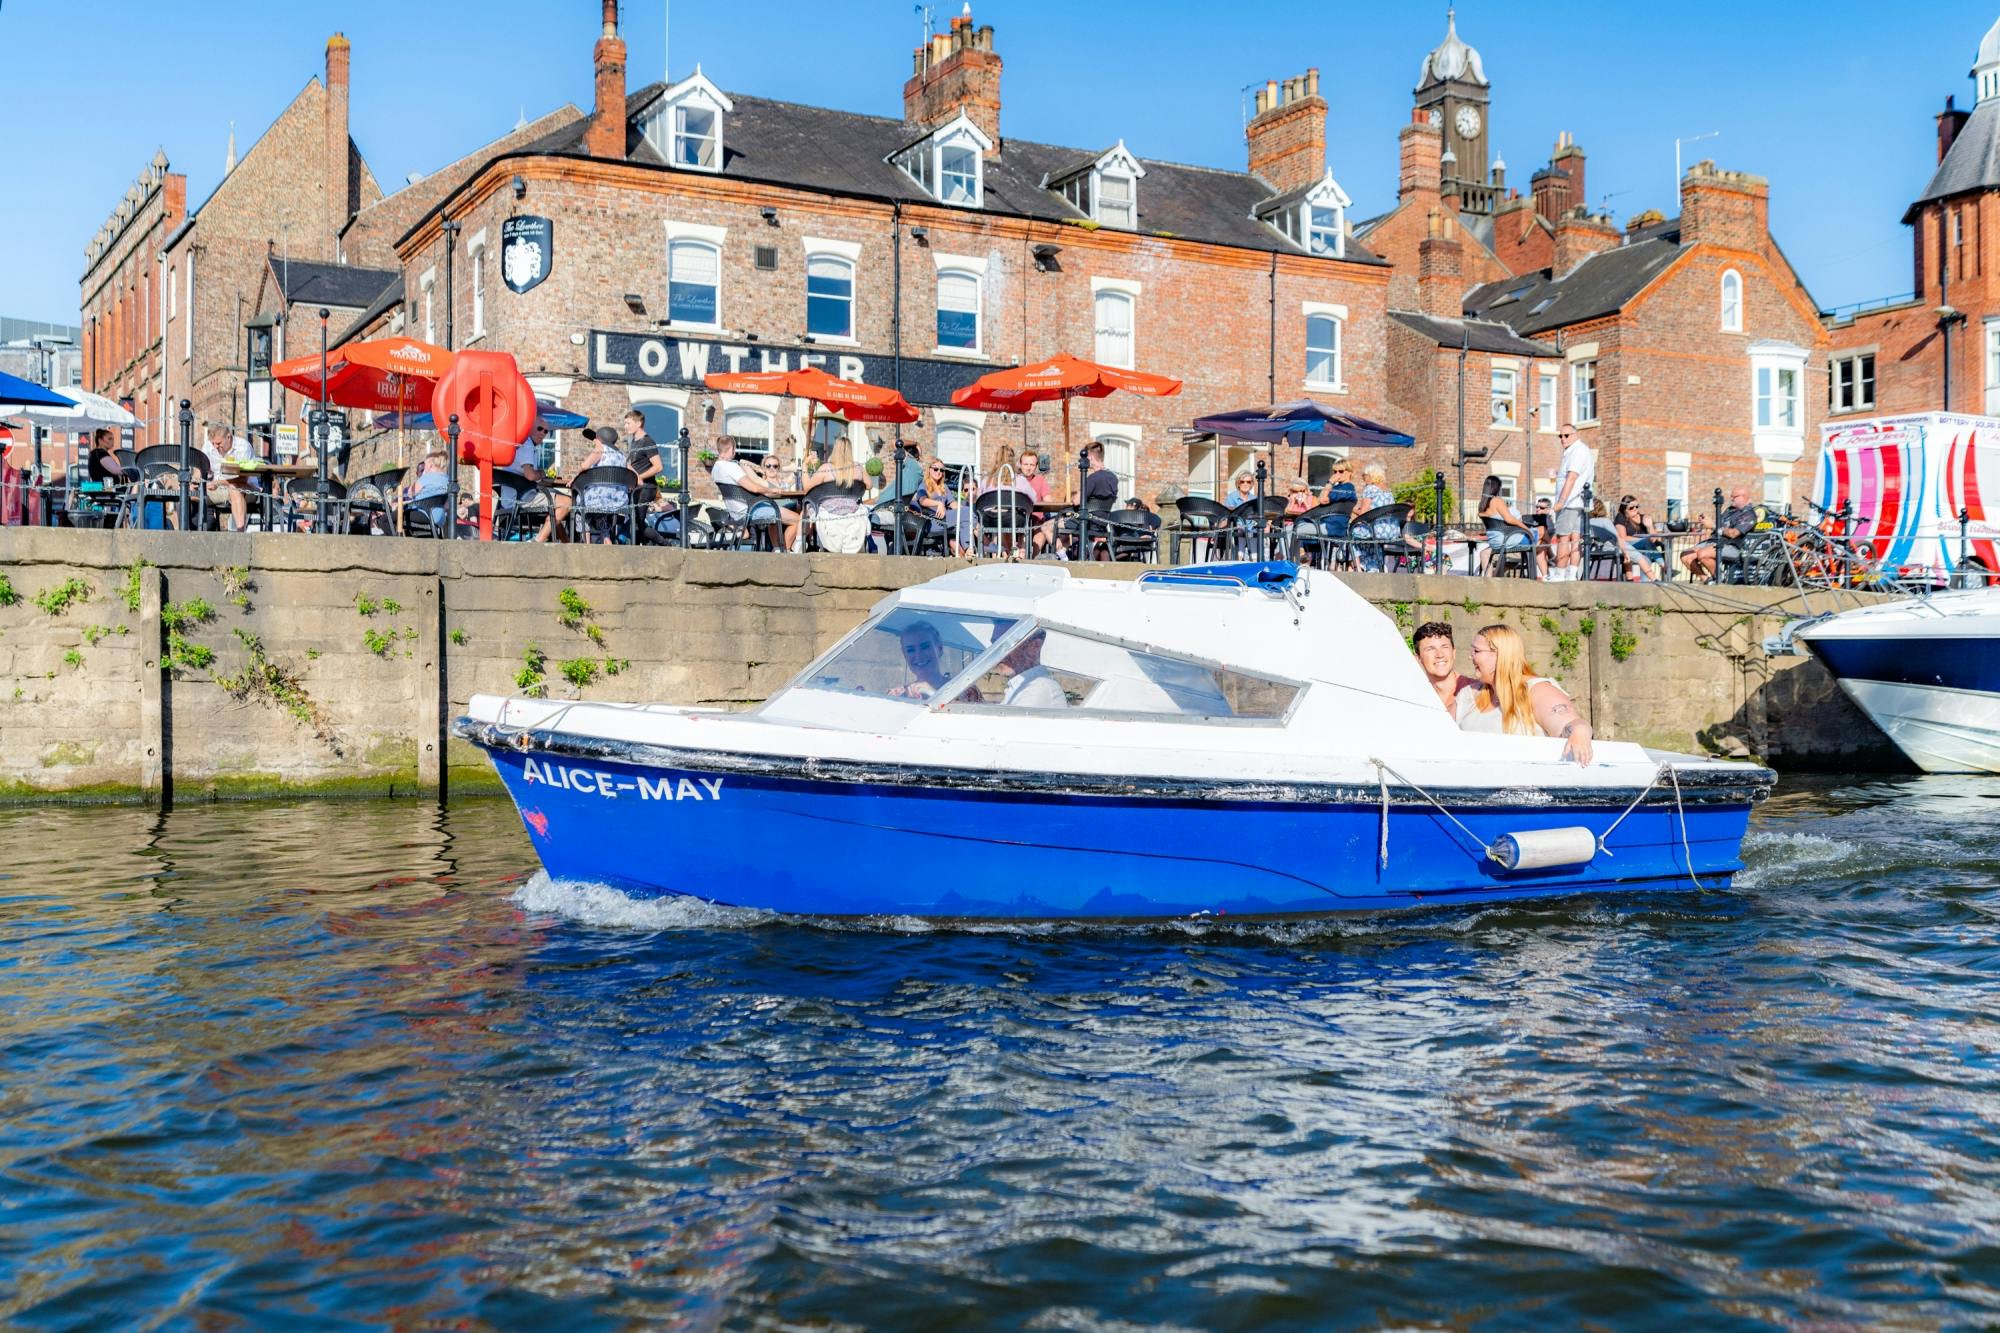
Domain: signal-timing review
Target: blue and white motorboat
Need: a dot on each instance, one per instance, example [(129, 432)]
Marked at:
[(1925, 669), (1010, 742)]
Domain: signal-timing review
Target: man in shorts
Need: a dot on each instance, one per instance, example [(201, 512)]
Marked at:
[(1574, 475)]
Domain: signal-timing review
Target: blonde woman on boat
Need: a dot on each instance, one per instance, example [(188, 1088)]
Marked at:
[(1511, 700)]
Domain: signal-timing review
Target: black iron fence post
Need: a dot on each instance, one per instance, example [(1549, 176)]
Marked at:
[(899, 494), (1437, 511), (451, 480), (1263, 533), (1964, 579), (687, 510), (187, 439), (323, 428), (1586, 536), (1715, 571), (1083, 500)]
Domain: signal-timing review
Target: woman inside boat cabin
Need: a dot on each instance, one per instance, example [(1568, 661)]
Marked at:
[(1508, 699)]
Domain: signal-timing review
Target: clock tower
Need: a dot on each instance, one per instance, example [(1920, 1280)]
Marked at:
[(1453, 92)]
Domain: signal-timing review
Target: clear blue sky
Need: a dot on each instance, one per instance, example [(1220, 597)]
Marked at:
[(1831, 101)]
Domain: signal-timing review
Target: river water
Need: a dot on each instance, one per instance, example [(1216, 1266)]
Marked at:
[(320, 1065)]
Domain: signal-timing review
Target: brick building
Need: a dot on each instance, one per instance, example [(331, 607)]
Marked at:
[(122, 303), (1681, 348), (694, 230), (1937, 348)]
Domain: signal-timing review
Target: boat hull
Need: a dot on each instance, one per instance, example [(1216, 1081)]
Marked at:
[(1936, 696), (786, 837)]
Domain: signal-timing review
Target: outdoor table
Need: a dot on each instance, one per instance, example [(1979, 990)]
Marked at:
[(234, 471)]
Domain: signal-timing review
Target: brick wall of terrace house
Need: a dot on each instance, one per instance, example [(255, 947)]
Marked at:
[(1398, 238), (380, 682), (1909, 360), (1203, 313), (1426, 400), (122, 307), (1695, 392), (1520, 242)]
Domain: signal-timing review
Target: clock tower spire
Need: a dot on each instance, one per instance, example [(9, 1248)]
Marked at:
[(1453, 91)]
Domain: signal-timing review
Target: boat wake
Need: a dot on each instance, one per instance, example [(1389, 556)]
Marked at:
[(1776, 859), (603, 906)]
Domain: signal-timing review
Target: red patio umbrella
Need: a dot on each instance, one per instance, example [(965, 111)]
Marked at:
[(381, 375), (1060, 377), (848, 399)]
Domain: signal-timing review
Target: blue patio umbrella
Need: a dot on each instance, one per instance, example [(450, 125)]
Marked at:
[(17, 393), (1306, 423)]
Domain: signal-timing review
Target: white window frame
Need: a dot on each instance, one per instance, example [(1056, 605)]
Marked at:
[(1115, 290), (692, 235), (1548, 398), (1116, 164), (476, 248), (1510, 374), (427, 299), (187, 313), (662, 124), (751, 409), (1676, 479), (1775, 439), (971, 268), (1312, 310), (1295, 224), (173, 292), (1583, 381), (1203, 468), (951, 424), (846, 253), (1732, 301), (1777, 485), (1121, 442), (923, 161), (1851, 362), (1509, 473)]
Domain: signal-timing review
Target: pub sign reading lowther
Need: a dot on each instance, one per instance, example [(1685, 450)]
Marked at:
[(527, 251), (646, 358)]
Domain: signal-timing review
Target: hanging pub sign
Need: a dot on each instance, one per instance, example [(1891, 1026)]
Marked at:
[(646, 358), (527, 251)]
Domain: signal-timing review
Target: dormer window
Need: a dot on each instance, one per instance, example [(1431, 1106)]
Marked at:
[(685, 125), (1313, 218), (1105, 190), (950, 163)]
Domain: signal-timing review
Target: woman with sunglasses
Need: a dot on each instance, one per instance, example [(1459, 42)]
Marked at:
[(933, 498)]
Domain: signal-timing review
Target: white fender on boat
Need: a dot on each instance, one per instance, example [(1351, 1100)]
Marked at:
[(1539, 849)]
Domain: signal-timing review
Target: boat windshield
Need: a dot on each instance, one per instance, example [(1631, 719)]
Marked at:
[(912, 654)]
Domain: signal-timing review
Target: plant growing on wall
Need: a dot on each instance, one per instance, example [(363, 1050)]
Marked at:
[(128, 592), (183, 653), (579, 672), (529, 680), (8, 597), (280, 688), (54, 601)]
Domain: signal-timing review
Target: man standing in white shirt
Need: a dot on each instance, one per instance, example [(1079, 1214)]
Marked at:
[(1574, 474)]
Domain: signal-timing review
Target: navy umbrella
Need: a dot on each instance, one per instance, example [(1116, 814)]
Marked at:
[(551, 415), (1307, 423), (16, 393)]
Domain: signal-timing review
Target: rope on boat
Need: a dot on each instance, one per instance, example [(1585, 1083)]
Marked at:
[(1382, 774), (1605, 836), (1687, 852)]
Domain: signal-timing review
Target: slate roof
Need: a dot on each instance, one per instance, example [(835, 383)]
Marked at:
[(1480, 335), (819, 149), (1973, 163), (305, 282), (1600, 285), (391, 297)]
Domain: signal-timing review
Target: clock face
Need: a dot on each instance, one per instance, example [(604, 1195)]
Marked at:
[(1467, 121), (1437, 117)]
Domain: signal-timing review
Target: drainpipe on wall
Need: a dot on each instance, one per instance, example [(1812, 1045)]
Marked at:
[(896, 301), (1273, 374)]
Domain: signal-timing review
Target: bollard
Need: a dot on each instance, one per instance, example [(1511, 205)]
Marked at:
[(187, 438), (687, 511), (450, 524)]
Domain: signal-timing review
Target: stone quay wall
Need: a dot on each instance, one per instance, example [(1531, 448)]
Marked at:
[(152, 666)]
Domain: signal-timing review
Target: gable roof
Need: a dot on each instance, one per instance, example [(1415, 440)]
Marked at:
[(1600, 285), (843, 152), (391, 297), (1479, 335), (1973, 162), (312, 283)]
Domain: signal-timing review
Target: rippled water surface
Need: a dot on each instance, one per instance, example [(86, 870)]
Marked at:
[(326, 1065)]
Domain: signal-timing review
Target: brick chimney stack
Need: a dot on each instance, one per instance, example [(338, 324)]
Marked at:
[(1568, 159), (1579, 235), (1287, 135), (957, 70), (606, 135), (1441, 269), (1727, 208), (342, 175), (1949, 122), (1551, 189), (1419, 173)]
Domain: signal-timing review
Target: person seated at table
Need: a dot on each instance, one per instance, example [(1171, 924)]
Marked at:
[(1375, 494), (1509, 699), (1738, 520), (729, 470), (1603, 532), (1245, 492), (602, 498), (839, 469), (932, 502), (1437, 654), (216, 446), (103, 465), (1099, 495), (1028, 472), (433, 484), (1029, 683), (1299, 497), (1515, 536)]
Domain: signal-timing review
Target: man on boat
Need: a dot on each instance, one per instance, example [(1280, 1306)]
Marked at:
[(1437, 654), (1029, 684)]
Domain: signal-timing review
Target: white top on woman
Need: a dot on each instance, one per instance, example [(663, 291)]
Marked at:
[(1470, 718)]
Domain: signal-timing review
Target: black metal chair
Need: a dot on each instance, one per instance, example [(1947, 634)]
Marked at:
[(1369, 536), (923, 532), (424, 518), (88, 504), (1070, 528), (1004, 520), (738, 534), (307, 497), (371, 501), (1517, 561), (618, 523), (1319, 536), (1204, 525), (520, 507), (1134, 535), (821, 494), (159, 484), (1407, 550), (1603, 561)]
